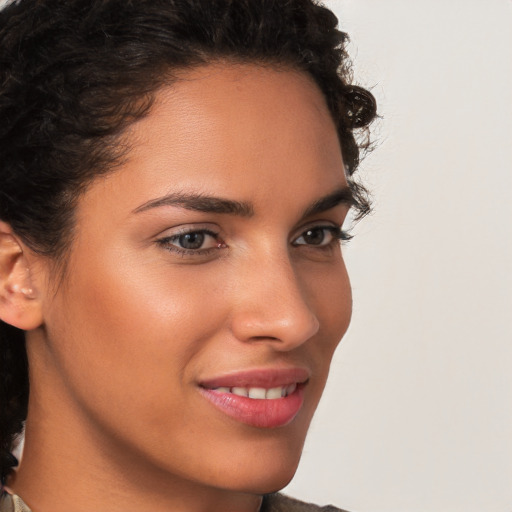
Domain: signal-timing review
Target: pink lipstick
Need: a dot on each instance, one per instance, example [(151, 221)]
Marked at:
[(264, 398)]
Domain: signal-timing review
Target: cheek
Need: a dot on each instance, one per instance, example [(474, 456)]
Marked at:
[(135, 331), (331, 298)]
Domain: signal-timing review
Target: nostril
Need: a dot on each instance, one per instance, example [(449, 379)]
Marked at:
[(283, 334)]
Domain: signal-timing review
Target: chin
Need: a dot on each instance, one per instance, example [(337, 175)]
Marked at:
[(267, 460), (271, 481), (277, 483), (267, 473)]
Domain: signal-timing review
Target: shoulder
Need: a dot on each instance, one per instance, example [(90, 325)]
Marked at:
[(12, 503), (281, 503)]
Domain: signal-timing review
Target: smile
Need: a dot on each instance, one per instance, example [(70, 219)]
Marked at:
[(260, 393), (259, 398)]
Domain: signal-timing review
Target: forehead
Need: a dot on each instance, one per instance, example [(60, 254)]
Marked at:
[(245, 91), (241, 131)]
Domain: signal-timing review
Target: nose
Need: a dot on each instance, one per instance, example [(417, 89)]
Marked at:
[(272, 306)]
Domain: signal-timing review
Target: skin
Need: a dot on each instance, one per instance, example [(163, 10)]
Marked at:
[(116, 420)]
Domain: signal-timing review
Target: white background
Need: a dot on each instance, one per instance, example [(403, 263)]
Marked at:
[(417, 415)]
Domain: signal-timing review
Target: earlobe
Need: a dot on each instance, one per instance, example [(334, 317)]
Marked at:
[(19, 302)]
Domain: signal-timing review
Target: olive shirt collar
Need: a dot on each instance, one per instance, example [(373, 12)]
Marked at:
[(271, 503)]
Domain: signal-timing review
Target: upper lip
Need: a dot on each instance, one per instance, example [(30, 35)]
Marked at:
[(258, 377)]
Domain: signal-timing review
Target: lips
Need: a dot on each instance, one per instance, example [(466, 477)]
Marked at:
[(264, 398)]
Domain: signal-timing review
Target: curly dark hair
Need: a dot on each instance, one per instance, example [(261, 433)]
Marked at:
[(75, 73)]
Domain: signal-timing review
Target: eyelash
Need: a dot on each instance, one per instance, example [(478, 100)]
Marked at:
[(337, 233), (168, 242)]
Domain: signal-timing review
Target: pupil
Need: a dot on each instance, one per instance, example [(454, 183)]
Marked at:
[(191, 240), (314, 236)]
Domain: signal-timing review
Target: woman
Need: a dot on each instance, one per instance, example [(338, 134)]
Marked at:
[(175, 177)]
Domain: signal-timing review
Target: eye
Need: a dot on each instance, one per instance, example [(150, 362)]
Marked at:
[(191, 242), (194, 240), (320, 236)]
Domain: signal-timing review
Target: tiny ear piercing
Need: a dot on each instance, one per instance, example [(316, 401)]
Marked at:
[(29, 292)]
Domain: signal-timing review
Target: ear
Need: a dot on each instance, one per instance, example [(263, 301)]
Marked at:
[(19, 301)]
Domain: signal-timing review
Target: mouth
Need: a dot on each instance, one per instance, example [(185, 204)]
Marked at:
[(257, 393), (259, 398)]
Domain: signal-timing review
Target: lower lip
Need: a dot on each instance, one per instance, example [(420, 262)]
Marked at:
[(258, 413)]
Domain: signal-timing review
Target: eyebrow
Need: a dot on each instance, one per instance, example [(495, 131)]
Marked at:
[(343, 195), (210, 204), (200, 203)]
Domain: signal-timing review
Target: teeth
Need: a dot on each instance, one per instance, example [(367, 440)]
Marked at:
[(240, 391), (260, 393), (290, 389), (275, 393)]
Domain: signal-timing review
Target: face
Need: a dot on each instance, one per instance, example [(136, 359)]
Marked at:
[(205, 290)]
